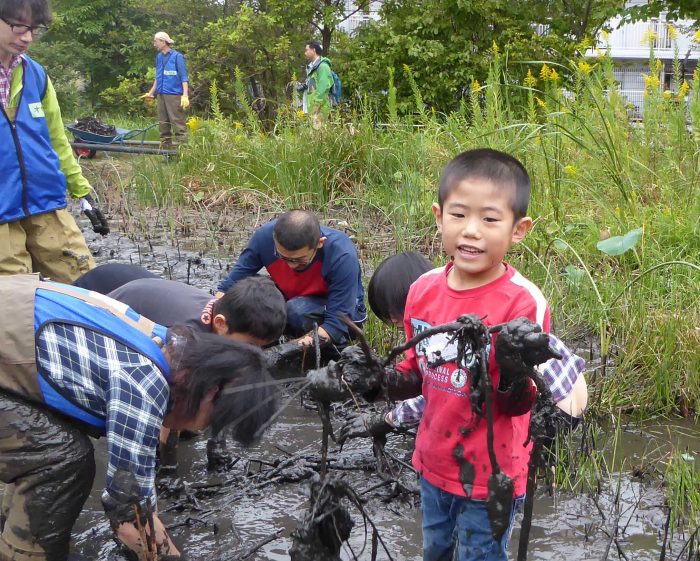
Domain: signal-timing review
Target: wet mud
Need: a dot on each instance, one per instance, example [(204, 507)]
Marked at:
[(252, 503)]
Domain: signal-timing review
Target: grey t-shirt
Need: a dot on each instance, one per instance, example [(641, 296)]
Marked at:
[(164, 301)]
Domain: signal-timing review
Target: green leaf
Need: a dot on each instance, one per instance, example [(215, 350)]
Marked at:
[(560, 245), (575, 274), (617, 245)]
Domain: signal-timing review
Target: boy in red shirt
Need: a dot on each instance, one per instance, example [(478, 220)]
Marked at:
[(482, 210)]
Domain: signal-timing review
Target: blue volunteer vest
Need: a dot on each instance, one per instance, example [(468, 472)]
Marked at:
[(33, 182), (56, 307), (167, 79)]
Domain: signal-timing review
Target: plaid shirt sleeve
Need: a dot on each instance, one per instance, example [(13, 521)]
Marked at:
[(136, 406), (115, 382), (408, 413), (561, 375)]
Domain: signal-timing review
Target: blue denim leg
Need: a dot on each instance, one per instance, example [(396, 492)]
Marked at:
[(303, 312), (473, 533), (439, 510)]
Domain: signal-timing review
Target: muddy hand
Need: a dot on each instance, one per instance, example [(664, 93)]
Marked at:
[(360, 375), (285, 360), (360, 426), (520, 345)]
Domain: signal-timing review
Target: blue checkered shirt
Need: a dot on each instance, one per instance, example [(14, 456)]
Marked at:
[(559, 375), (111, 381)]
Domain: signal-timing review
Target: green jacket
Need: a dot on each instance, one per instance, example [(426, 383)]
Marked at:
[(320, 82), (77, 185)]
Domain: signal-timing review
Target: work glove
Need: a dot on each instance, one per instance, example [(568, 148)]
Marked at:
[(361, 426), (350, 373), (97, 219), (184, 102), (520, 345), (148, 98)]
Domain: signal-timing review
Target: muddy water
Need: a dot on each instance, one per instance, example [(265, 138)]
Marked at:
[(246, 509)]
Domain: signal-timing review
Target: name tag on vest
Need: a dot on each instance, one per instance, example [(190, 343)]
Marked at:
[(170, 72), (36, 110)]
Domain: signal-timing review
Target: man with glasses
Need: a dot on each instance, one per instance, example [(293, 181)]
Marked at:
[(37, 166), (317, 270)]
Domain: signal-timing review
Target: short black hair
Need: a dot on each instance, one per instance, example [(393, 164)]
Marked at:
[(316, 46), (388, 288), (38, 10), (255, 306), (247, 396), (501, 169), (297, 229)]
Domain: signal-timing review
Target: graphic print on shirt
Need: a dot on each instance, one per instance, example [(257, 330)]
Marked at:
[(441, 348)]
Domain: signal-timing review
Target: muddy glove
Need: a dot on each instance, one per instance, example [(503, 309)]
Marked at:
[(287, 360), (521, 345), (361, 426), (351, 372), (98, 220)]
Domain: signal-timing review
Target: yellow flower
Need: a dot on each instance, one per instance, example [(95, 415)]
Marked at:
[(475, 87), (553, 75), (544, 72), (696, 37), (668, 95), (494, 48), (584, 67), (659, 64), (683, 90), (672, 33), (530, 80), (605, 35), (194, 124), (651, 82), (571, 171), (237, 125), (540, 102), (617, 211), (649, 37), (300, 114)]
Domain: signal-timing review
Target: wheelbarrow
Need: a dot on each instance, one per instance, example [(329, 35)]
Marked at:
[(133, 141)]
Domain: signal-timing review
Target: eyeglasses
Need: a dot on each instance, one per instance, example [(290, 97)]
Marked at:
[(296, 260), (20, 29)]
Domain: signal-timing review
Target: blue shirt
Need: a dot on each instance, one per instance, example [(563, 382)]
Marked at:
[(171, 72)]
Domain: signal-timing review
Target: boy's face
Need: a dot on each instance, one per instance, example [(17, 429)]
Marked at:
[(478, 226)]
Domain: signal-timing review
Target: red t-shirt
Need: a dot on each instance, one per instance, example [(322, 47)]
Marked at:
[(448, 422)]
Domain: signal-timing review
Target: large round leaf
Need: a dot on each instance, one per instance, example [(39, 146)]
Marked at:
[(617, 245)]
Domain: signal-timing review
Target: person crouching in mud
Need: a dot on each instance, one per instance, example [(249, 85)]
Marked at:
[(75, 364)]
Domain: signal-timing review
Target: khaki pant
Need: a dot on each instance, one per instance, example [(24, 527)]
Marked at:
[(48, 466), (50, 243), (171, 116)]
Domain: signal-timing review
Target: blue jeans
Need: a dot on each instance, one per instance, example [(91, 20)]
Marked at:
[(458, 528), (304, 311)]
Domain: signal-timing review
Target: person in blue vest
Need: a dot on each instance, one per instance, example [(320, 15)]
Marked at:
[(75, 364), (37, 165), (171, 86), (317, 270)]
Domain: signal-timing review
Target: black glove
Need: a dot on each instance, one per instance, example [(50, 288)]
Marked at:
[(520, 345), (360, 426), (97, 219)]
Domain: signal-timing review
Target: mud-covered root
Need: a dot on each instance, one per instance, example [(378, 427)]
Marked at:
[(499, 504), (327, 525)]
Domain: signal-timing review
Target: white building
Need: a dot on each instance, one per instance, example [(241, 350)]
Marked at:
[(356, 17), (629, 48)]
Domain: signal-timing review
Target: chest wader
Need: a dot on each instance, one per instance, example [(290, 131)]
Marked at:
[(46, 458)]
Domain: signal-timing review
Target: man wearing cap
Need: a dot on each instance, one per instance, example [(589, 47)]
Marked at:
[(171, 87)]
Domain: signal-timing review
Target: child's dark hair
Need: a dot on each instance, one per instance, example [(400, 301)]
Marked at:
[(297, 229), (316, 46), (255, 306), (388, 288), (38, 10), (247, 397), (504, 171)]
